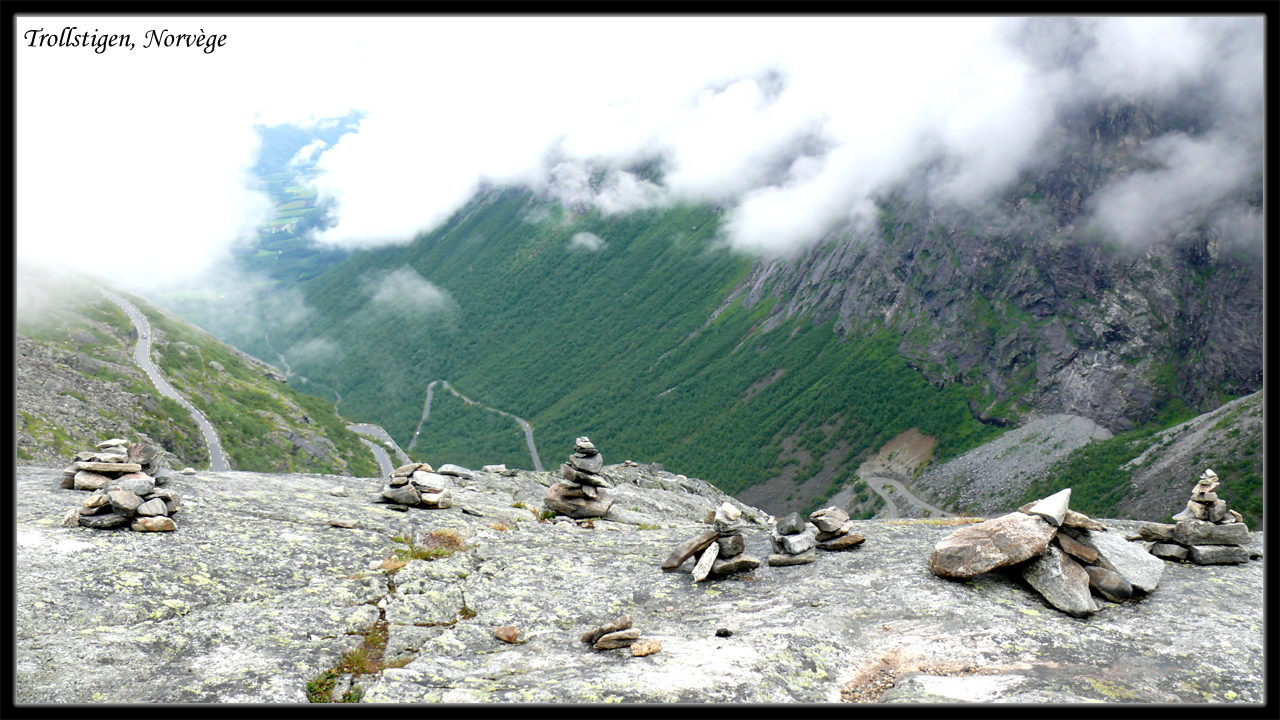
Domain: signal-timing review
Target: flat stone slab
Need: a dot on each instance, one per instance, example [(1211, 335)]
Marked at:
[(1130, 560), (985, 546), (1217, 554), (1053, 508), (1197, 532)]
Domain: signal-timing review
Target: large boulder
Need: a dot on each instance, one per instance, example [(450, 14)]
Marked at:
[(986, 546)]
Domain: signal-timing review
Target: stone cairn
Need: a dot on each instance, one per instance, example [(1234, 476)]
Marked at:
[(581, 494), (417, 485), (835, 529), (1206, 532), (125, 481), (1061, 553), (620, 634), (793, 541), (719, 551)]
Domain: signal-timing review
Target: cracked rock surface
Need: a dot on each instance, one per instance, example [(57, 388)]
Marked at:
[(256, 593)]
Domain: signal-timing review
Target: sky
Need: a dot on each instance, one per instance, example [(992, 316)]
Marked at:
[(135, 163)]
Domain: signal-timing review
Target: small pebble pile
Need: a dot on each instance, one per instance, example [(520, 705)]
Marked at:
[(581, 494), (835, 529), (794, 542), (125, 481), (417, 485), (620, 634), (1206, 532), (719, 551)]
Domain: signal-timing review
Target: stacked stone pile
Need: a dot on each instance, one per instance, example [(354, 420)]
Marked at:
[(719, 551), (125, 481), (1206, 532), (620, 634), (793, 541), (417, 485), (581, 493), (835, 529), (1061, 553)]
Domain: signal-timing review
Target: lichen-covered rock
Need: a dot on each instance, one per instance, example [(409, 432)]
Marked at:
[(985, 546), (785, 559), (257, 595), (153, 524), (557, 500), (1061, 581)]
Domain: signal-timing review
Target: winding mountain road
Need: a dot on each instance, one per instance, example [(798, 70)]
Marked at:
[(142, 356), (426, 411), (379, 454), (877, 484), (383, 438)]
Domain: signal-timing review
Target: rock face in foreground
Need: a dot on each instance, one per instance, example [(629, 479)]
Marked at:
[(258, 593)]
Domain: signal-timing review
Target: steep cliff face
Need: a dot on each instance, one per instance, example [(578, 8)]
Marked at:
[(1030, 304)]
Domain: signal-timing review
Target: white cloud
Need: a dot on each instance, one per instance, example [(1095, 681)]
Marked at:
[(404, 291), (587, 241), (794, 123), (308, 153)]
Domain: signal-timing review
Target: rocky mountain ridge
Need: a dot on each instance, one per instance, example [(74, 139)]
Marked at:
[(1027, 303)]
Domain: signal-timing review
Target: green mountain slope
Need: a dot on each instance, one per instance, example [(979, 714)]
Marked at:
[(77, 385), (631, 344)]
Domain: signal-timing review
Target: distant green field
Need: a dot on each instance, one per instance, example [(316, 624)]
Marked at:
[(295, 205)]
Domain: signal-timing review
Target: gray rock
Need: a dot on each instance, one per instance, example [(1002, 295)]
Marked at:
[(136, 483), (569, 472), (655, 468), (1217, 511), (1119, 555), (589, 491), (591, 463), (738, 563), (398, 480), (703, 568), (153, 507), (124, 502), (1193, 532), (1061, 581), (791, 524), (429, 481), (576, 508), (687, 549), (438, 501), (403, 495), (407, 470), (1053, 508), (592, 636), (841, 531), (783, 559), (793, 544), (1075, 519), (1169, 551), (584, 446), (829, 519), (620, 639), (88, 480), (842, 542), (1155, 531), (102, 522), (456, 471), (113, 442), (731, 545), (985, 546), (470, 510), (1218, 554), (499, 469), (1109, 585)]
